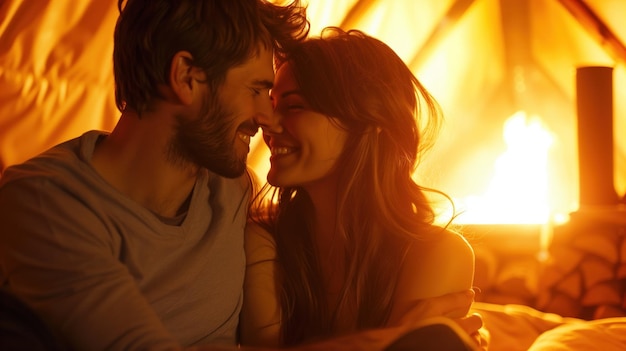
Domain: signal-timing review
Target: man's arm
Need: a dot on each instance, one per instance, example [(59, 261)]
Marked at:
[(381, 339), (55, 256)]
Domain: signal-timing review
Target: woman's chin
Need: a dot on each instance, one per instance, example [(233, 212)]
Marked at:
[(275, 180)]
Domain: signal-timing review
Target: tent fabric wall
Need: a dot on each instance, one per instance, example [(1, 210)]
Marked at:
[(55, 73), (483, 60)]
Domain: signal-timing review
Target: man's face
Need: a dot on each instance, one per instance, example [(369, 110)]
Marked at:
[(218, 136)]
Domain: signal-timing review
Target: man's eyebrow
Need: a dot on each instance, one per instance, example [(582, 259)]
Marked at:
[(263, 83)]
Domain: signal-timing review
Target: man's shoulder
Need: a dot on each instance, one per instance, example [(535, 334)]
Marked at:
[(63, 163), (58, 157), (46, 165)]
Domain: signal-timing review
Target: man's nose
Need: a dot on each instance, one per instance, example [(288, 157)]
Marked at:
[(269, 121)]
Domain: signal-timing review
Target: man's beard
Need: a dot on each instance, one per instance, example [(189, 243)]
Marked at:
[(206, 141)]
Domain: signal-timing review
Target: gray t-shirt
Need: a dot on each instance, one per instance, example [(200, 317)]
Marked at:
[(107, 273)]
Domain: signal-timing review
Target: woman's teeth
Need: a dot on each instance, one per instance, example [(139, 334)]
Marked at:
[(280, 150)]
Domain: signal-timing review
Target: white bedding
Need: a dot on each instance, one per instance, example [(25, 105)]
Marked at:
[(518, 327)]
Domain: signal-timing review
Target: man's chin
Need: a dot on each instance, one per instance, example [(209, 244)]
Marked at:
[(232, 171)]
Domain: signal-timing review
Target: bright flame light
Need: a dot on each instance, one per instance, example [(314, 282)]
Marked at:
[(518, 192)]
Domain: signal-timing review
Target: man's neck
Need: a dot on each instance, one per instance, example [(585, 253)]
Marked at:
[(133, 160)]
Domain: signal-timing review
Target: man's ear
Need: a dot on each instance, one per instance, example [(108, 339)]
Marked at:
[(184, 77)]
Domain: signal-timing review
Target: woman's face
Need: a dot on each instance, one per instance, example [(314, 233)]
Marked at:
[(306, 149)]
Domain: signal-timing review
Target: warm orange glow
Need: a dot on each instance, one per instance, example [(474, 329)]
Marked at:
[(518, 191)]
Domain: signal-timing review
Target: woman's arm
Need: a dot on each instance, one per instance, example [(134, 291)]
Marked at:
[(259, 323), (433, 269)]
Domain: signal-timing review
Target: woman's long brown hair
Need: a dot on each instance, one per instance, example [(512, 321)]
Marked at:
[(389, 117)]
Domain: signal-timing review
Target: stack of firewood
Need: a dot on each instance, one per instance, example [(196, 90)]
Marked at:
[(506, 280), (585, 273)]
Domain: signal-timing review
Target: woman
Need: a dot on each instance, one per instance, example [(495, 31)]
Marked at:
[(345, 240)]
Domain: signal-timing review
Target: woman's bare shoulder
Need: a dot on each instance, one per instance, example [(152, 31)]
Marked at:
[(445, 244), (439, 265)]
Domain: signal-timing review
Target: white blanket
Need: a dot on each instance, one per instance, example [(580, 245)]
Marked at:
[(518, 327)]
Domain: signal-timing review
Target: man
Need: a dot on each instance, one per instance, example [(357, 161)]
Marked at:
[(134, 239)]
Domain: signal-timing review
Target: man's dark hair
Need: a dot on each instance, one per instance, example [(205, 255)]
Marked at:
[(219, 35)]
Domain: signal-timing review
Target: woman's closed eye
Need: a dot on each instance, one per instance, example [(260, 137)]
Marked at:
[(291, 105), (290, 101)]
